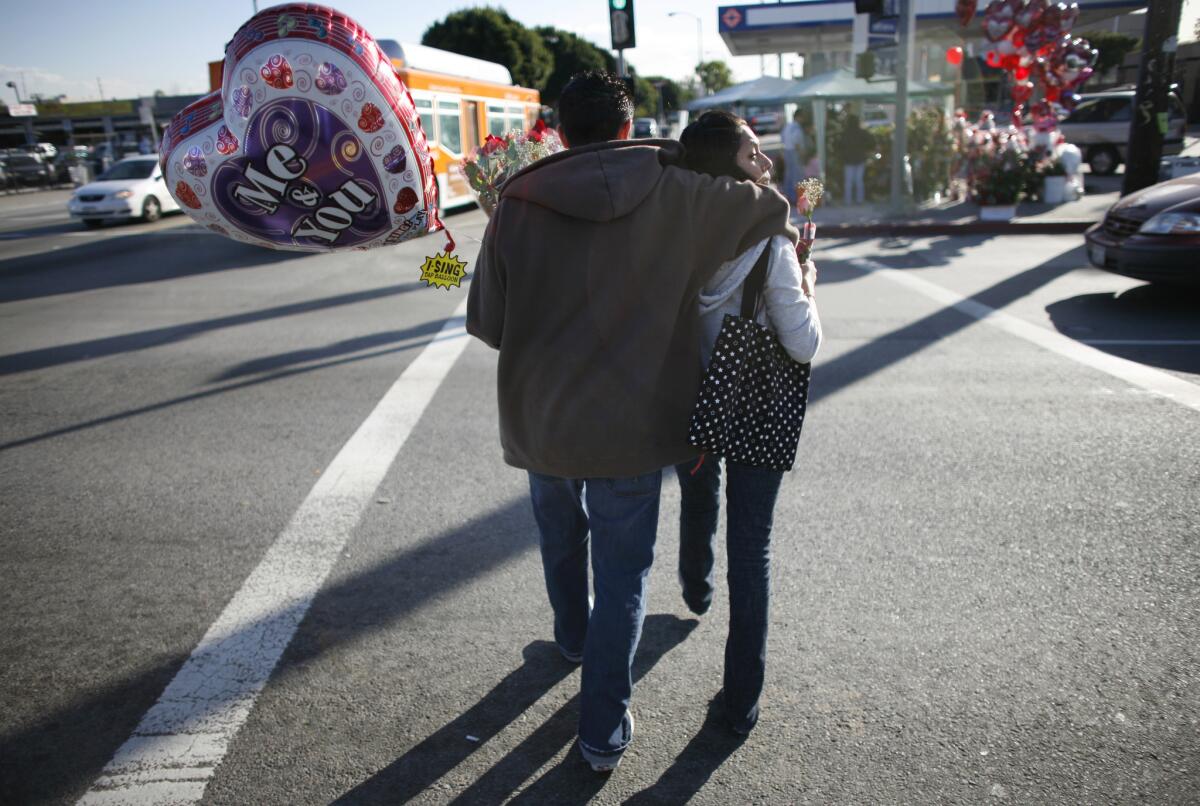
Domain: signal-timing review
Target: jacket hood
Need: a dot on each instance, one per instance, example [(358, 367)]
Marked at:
[(729, 278), (598, 182)]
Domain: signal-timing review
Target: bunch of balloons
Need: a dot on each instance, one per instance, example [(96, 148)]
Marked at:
[(1032, 40)]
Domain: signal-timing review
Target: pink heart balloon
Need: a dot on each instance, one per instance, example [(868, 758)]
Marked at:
[(1030, 14), (997, 20), (312, 144)]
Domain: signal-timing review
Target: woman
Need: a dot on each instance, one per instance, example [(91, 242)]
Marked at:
[(856, 146), (720, 144)]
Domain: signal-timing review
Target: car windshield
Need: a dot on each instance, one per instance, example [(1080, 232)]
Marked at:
[(134, 169)]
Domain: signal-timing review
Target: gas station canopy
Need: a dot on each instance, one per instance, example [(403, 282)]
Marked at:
[(812, 26)]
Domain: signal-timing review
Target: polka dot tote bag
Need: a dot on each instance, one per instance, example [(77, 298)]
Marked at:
[(753, 396)]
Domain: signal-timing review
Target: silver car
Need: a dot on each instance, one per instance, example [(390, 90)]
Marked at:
[(1100, 127)]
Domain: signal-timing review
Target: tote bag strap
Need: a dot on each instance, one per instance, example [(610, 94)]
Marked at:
[(752, 287)]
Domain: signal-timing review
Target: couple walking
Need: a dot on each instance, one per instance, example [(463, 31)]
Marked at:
[(602, 280)]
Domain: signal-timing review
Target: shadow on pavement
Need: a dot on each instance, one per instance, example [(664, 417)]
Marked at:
[(891, 348), (1146, 314), (157, 337), (148, 257), (571, 781), (712, 745), (281, 360), (429, 330), (63, 753)]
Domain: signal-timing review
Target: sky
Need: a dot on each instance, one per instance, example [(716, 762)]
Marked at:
[(131, 48)]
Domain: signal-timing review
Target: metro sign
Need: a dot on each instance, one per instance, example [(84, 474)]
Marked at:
[(732, 18)]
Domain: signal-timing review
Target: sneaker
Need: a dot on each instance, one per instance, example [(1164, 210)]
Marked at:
[(607, 763)]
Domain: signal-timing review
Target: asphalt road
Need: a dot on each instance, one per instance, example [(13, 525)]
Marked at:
[(985, 565)]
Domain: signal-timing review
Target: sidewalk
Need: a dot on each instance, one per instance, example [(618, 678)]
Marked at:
[(962, 217)]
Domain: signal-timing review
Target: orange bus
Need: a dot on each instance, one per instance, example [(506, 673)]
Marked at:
[(461, 100)]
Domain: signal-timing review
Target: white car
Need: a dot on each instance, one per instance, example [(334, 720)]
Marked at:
[(132, 188)]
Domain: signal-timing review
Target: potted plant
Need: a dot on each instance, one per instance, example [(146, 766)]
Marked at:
[(1054, 181), (998, 183)]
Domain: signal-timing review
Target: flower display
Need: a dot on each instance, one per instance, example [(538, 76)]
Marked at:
[(499, 158)]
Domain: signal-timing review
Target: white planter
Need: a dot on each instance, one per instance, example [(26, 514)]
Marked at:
[(997, 212), (1054, 189)]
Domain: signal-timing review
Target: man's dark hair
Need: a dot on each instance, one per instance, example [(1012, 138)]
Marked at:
[(711, 144), (592, 107)]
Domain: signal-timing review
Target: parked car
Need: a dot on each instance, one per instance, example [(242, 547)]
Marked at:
[(766, 123), (67, 157), (645, 127), (27, 169), (1152, 234), (1100, 127), (132, 188)]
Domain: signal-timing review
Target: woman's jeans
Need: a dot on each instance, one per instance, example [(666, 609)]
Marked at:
[(621, 515), (852, 174), (750, 494)]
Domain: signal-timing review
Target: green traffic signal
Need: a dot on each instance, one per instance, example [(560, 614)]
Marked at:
[(617, 4)]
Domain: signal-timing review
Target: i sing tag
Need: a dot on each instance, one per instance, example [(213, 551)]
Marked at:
[(443, 270)]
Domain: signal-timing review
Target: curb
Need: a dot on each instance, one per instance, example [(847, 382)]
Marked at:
[(914, 228)]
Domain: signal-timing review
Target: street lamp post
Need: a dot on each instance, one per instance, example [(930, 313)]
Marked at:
[(699, 34)]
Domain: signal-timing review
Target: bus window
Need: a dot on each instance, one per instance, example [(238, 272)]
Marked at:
[(471, 118), (449, 126), (425, 110), (496, 123)]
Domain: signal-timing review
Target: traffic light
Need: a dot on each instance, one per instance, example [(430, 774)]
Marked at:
[(620, 20), (868, 6)]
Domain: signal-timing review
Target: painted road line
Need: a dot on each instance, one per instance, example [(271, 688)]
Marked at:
[(1145, 342), (181, 740), (1152, 380)]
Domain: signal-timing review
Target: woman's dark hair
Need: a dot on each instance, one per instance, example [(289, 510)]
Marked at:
[(711, 144), (592, 107)]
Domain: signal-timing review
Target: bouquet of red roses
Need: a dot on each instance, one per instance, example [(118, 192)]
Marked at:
[(501, 157)]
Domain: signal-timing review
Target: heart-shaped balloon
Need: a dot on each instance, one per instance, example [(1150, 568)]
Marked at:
[(997, 20), (313, 143), (1021, 91), (1070, 60), (1029, 15), (1069, 15)]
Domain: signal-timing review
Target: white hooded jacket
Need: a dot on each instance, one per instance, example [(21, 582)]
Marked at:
[(789, 314)]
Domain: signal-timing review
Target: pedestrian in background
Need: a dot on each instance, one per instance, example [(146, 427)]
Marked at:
[(854, 147), (586, 282), (795, 146), (720, 144)]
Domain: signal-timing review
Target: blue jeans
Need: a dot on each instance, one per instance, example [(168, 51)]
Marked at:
[(621, 516), (750, 494)]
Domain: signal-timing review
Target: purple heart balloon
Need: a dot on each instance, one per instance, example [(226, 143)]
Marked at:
[(306, 195)]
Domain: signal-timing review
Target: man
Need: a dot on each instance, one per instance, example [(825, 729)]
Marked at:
[(794, 152), (587, 283)]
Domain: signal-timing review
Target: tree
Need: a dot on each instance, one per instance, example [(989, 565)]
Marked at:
[(571, 54), (714, 75), (1113, 48), (674, 95), (489, 33), (645, 96)]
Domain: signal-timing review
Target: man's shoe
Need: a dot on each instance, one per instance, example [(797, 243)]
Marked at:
[(606, 763), (572, 657)]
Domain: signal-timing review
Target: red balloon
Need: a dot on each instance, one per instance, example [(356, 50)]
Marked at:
[(954, 55), (1021, 91), (993, 58), (1021, 73), (1018, 37), (1052, 93), (1011, 62)]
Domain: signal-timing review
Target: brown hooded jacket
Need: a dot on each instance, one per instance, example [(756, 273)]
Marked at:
[(587, 282)]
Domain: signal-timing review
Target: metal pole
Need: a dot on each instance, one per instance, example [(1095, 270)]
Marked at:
[(621, 63), (904, 57), (1150, 110)]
